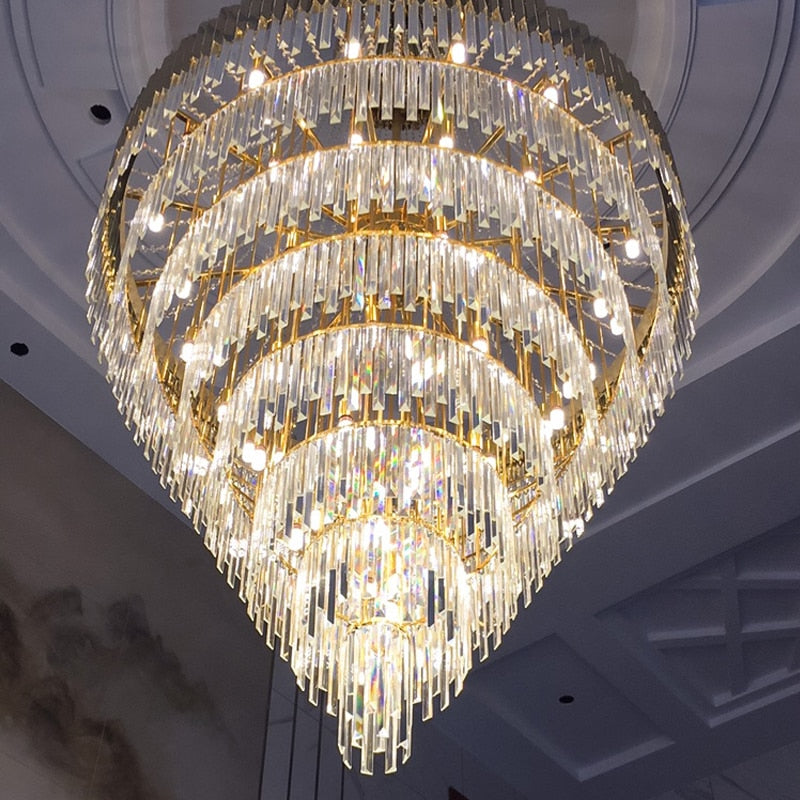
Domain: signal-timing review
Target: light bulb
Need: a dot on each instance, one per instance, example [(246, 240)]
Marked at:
[(353, 49), (247, 452), (481, 344), (187, 351), (458, 52), (446, 140), (592, 370), (566, 389), (345, 421), (616, 326), (256, 78), (356, 139), (277, 456), (184, 290), (531, 175), (632, 248), (222, 411), (392, 612), (600, 307), (557, 418), (259, 461), (315, 519), (296, 538), (393, 585), (551, 93), (156, 223)]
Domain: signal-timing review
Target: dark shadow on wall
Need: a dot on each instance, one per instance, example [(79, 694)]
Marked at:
[(56, 659)]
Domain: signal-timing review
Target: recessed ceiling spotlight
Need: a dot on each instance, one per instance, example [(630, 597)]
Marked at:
[(19, 349), (100, 114), (566, 699)]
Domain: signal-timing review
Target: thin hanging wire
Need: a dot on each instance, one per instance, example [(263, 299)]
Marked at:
[(266, 724), (291, 745), (319, 752)]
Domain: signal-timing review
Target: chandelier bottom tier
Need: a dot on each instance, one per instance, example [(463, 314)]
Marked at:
[(390, 293)]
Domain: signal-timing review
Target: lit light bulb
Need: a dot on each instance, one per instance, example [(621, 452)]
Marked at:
[(256, 78), (353, 49), (259, 462), (315, 520), (632, 248), (600, 307), (345, 421), (616, 326), (222, 411), (551, 93), (530, 174), (184, 290), (187, 351), (458, 52), (156, 223), (277, 456), (356, 139), (296, 539), (393, 585), (566, 389), (481, 344), (247, 452), (592, 370), (392, 612), (446, 140), (557, 418)]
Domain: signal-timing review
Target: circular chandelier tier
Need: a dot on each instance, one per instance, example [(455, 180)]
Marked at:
[(390, 292)]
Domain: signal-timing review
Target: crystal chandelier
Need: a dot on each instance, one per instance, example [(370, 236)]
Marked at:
[(390, 292)]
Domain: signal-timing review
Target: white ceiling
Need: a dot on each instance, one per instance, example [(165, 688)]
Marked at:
[(675, 623)]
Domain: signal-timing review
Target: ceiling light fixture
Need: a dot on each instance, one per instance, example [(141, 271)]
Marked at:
[(345, 361)]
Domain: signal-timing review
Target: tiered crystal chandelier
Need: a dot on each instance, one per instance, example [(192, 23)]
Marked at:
[(390, 292)]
